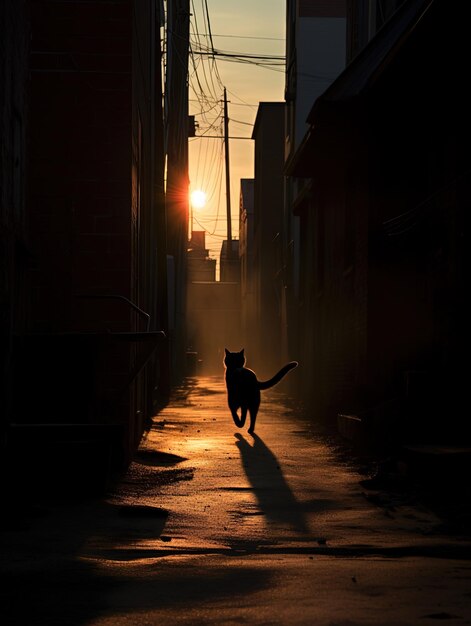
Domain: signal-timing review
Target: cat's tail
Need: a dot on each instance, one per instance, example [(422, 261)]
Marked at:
[(266, 384)]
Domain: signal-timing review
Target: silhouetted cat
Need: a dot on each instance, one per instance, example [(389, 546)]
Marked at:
[(243, 388)]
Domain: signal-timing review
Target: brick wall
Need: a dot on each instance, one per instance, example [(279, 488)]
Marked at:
[(14, 39), (80, 162)]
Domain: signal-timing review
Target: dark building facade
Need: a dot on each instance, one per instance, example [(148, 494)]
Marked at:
[(200, 266), (90, 350), (246, 252), (14, 253), (383, 250), (268, 223), (229, 262)]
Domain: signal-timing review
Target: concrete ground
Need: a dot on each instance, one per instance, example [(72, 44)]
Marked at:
[(213, 526)]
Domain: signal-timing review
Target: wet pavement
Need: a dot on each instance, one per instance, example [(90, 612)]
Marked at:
[(211, 525)]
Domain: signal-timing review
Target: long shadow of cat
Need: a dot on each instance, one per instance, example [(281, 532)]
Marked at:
[(275, 498)]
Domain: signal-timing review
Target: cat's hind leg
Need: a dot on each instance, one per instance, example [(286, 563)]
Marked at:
[(253, 417)]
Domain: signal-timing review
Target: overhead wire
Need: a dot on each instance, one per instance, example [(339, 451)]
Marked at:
[(205, 82), (250, 37), (198, 40), (215, 68), (209, 164)]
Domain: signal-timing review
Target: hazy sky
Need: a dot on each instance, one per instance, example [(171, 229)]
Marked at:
[(247, 27)]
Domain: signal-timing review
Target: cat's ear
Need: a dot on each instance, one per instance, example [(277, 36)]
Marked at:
[(226, 351), (242, 351)]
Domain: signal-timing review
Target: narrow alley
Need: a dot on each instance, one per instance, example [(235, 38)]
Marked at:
[(180, 180), (213, 526)]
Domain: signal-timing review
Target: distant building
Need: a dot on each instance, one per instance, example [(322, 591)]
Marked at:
[(246, 252), (213, 322), (213, 307), (230, 265), (200, 266)]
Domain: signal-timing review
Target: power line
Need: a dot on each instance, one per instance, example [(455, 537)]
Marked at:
[(251, 37), (239, 104), (241, 122), (243, 55), (281, 59), (215, 67), (217, 137)]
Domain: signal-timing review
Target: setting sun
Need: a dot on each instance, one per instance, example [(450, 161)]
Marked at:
[(198, 199)]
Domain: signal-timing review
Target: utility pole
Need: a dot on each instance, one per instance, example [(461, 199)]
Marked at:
[(228, 180)]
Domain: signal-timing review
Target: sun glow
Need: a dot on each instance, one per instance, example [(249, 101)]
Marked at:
[(198, 199)]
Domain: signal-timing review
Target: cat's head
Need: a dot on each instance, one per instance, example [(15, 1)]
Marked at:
[(234, 359)]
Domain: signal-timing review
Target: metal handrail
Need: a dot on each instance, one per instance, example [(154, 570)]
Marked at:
[(113, 296)]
